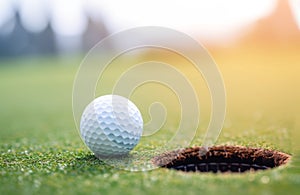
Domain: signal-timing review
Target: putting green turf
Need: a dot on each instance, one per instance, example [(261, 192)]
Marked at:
[(41, 151)]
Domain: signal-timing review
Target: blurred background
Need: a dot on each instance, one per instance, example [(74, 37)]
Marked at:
[(53, 27), (256, 45)]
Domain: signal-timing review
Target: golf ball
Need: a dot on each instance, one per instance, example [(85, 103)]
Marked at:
[(111, 125)]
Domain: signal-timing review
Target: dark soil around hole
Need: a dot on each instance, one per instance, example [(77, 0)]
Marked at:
[(221, 159)]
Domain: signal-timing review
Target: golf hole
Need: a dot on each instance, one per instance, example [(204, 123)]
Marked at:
[(221, 159)]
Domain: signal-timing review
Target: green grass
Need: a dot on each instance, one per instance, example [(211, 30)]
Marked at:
[(41, 151)]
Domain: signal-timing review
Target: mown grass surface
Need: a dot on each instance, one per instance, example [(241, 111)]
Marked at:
[(42, 153)]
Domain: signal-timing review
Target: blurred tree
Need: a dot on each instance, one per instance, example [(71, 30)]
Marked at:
[(21, 42), (44, 42), (16, 43), (96, 30), (279, 27)]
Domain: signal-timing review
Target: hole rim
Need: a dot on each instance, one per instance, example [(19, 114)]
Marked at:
[(232, 159)]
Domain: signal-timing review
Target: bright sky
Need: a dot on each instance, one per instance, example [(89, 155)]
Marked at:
[(213, 18), (295, 4), (209, 18)]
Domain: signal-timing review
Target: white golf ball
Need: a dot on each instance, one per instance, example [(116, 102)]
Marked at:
[(111, 125)]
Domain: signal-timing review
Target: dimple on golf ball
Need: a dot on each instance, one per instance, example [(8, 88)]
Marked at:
[(111, 125)]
